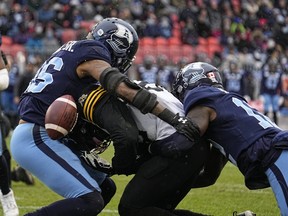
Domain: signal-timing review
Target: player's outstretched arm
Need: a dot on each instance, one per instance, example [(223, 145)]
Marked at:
[(118, 83)]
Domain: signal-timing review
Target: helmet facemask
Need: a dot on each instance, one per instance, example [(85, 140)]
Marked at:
[(120, 38)]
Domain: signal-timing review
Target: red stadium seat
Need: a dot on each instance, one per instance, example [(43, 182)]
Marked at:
[(149, 50), (175, 53), (202, 41), (15, 48), (147, 41), (87, 25), (68, 35), (201, 49), (174, 41), (188, 52), (163, 50), (161, 41), (6, 40), (139, 58), (212, 48), (213, 41), (176, 33)]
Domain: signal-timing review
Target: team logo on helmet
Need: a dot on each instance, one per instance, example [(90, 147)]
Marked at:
[(121, 40), (100, 32), (193, 73)]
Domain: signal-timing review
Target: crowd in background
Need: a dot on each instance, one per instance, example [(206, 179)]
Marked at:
[(253, 35)]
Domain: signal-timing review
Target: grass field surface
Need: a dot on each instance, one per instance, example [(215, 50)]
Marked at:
[(227, 195)]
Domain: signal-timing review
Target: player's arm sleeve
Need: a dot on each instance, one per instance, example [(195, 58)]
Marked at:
[(4, 79), (144, 100), (114, 116)]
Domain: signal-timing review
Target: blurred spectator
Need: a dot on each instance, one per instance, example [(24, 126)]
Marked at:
[(190, 32), (165, 27), (4, 18), (188, 12), (45, 13), (34, 44), (152, 27), (204, 24), (271, 88), (233, 79), (17, 17), (8, 106), (74, 18), (49, 42), (165, 76), (23, 80), (215, 17), (148, 70)]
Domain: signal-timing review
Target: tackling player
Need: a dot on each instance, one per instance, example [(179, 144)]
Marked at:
[(249, 139)]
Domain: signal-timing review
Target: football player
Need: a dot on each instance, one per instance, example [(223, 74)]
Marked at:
[(7, 196), (165, 173), (249, 139), (104, 56)]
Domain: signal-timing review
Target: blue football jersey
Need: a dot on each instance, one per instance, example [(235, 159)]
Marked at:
[(57, 76), (237, 125)]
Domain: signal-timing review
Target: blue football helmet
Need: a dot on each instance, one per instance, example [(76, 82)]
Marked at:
[(120, 38), (193, 75)]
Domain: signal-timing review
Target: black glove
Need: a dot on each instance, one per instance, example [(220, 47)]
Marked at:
[(185, 126), (182, 124), (93, 160)]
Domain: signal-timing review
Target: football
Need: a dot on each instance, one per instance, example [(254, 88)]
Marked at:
[(61, 117)]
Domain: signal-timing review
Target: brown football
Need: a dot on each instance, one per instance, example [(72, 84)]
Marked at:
[(61, 117)]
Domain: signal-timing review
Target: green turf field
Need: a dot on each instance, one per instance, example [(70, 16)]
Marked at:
[(228, 195)]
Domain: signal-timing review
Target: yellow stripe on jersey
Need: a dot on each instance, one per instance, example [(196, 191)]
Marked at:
[(91, 101)]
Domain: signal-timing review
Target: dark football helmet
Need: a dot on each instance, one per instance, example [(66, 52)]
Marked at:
[(193, 75), (120, 38)]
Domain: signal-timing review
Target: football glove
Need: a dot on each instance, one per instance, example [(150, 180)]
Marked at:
[(92, 159), (182, 124), (185, 126)]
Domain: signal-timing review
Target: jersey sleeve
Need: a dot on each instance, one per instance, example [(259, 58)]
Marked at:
[(90, 99), (75, 53), (205, 96)]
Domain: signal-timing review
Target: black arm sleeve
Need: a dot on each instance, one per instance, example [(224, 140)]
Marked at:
[(115, 117)]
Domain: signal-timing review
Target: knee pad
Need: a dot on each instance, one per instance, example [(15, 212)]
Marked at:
[(94, 202), (108, 188)]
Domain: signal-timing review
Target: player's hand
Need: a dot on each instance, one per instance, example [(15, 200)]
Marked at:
[(185, 126), (93, 160)]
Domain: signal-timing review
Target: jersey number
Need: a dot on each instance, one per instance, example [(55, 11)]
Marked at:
[(263, 120), (42, 77)]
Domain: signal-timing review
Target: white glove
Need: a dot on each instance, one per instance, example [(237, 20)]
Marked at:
[(92, 159)]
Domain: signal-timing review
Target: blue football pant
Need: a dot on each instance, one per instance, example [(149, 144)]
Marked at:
[(52, 162), (277, 175)]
